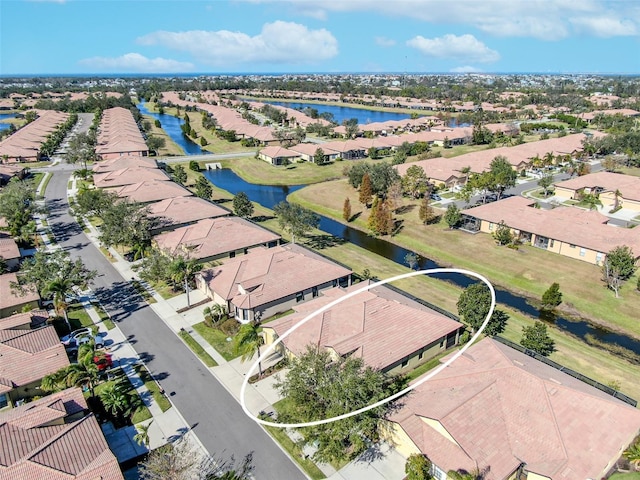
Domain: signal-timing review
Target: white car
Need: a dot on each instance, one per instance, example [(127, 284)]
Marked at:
[(68, 339), (75, 343)]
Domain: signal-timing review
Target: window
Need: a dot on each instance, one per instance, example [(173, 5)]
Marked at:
[(314, 291), (421, 355), (3, 400), (334, 283), (583, 252), (437, 472), (299, 296), (490, 226), (405, 362), (572, 245), (599, 256), (551, 243), (232, 254), (245, 314)]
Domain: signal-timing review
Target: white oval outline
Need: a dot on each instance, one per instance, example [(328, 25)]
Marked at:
[(431, 374)]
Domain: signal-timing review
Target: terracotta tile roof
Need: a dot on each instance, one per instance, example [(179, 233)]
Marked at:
[(268, 274), (628, 185), (310, 148), (380, 326), (275, 151), (128, 176), (215, 236), (10, 299), (576, 226), (126, 161), (503, 407), (183, 210), (30, 319), (8, 247), (41, 441), (150, 191), (40, 349), (26, 142)]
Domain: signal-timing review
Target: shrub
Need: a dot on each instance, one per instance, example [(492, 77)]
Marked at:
[(229, 327)]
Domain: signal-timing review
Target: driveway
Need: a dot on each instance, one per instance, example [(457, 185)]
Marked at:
[(215, 416)]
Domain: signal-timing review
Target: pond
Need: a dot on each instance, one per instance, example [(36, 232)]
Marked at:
[(268, 196), (5, 116), (171, 125)]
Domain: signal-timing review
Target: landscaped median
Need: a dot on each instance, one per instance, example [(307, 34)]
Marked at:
[(197, 348)]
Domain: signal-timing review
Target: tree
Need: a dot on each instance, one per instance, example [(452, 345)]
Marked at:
[(536, 338), (17, 204), (415, 182), (632, 454), (142, 434), (194, 166), (318, 157), (95, 201), (346, 209), (317, 387), (412, 260), (295, 219), (154, 267), (452, 216), (373, 153), (502, 175), (366, 191), (382, 175), (619, 265), (426, 213), (247, 343), (155, 143), (204, 189), (60, 289), (127, 223), (545, 182), (179, 175), (591, 200), (351, 127), (215, 311), (117, 400), (183, 270), (473, 306), (552, 297), (502, 234), (418, 467), (242, 206)]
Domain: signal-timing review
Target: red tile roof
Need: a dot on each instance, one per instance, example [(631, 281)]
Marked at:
[(265, 275), (215, 236), (150, 191), (40, 349), (44, 440), (126, 161), (10, 299), (128, 176), (628, 185), (182, 210), (8, 247), (30, 319), (380, 326), (503, 407)]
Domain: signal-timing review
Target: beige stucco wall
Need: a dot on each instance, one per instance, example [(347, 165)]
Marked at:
[(564, 193), (535, 476), (396, 436), (18, 308), (608, 200), (415, 359)]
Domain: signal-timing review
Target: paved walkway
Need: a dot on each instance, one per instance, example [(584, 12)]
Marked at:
[(169, 425)]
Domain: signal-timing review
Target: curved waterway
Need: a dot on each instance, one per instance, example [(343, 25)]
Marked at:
[(269, 195)]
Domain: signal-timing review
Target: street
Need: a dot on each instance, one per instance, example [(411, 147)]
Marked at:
[(214, 415)]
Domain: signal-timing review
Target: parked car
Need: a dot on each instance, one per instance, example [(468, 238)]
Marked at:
[(435, 196), (103, 361), (67, 339), (69, 299)]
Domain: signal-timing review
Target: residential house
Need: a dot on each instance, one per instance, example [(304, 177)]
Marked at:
[(307, 151), (40, 350), (13, 302), (267, 281), (604, 185), (387, 330), (215, 238), (25, 321), (24, 145), (346, 149), (55, 438), (126, 161), (511, 416), (147, 191), (181, 211), (9, 251), (278, 155), (119, 135), (573, 232), (128, 176)]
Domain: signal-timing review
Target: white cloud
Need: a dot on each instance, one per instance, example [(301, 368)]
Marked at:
[(465, 69), (278, 42), (542, 19), (136, 63), (454, 47), (604, 26), (385, 42)]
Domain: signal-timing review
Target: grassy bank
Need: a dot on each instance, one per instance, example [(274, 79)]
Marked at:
[(527, 271)]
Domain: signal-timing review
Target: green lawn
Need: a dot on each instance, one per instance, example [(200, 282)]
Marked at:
[(143, 292), (197, 349), (216, 339), (141, 414), (425, 367), (625, 476), (280, 435), (162, 401), (78, 316), (106, 320)]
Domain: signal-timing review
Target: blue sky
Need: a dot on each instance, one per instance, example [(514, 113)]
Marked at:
[(334, 36)]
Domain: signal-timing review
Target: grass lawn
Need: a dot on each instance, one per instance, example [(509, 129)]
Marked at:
[(162, 401), (141, 414), (143, 292), (216, 339), (106, 320), (280, 435), (425, 367), (197, 349), (525, 271), (78, 316), (625, 476)]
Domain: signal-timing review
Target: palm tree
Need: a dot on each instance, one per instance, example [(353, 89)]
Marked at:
[(247, 343), (54, 382), (142, 435), (82, 375), (633, 454), (183, 269), (116, 399), (548, 159), (60, 288), (217, 311), (616, 200)]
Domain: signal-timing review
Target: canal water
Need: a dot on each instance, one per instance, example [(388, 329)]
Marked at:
[(269, 195), (172, 125), (5, 116)]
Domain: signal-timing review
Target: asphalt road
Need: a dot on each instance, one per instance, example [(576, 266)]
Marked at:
[(215, 416)]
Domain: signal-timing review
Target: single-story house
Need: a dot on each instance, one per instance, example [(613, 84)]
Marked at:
[(511, 416), (307, 151), (346, 149), (387, 330), (127, 161), (573, 232), (604, 185), (215, 238), (12, 302), (9, 251), (267, 281), (55, 438), (27, 356), (180, 211), (147, 191), (25, 321), (277, 155), (8, 171), (128, 176)]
